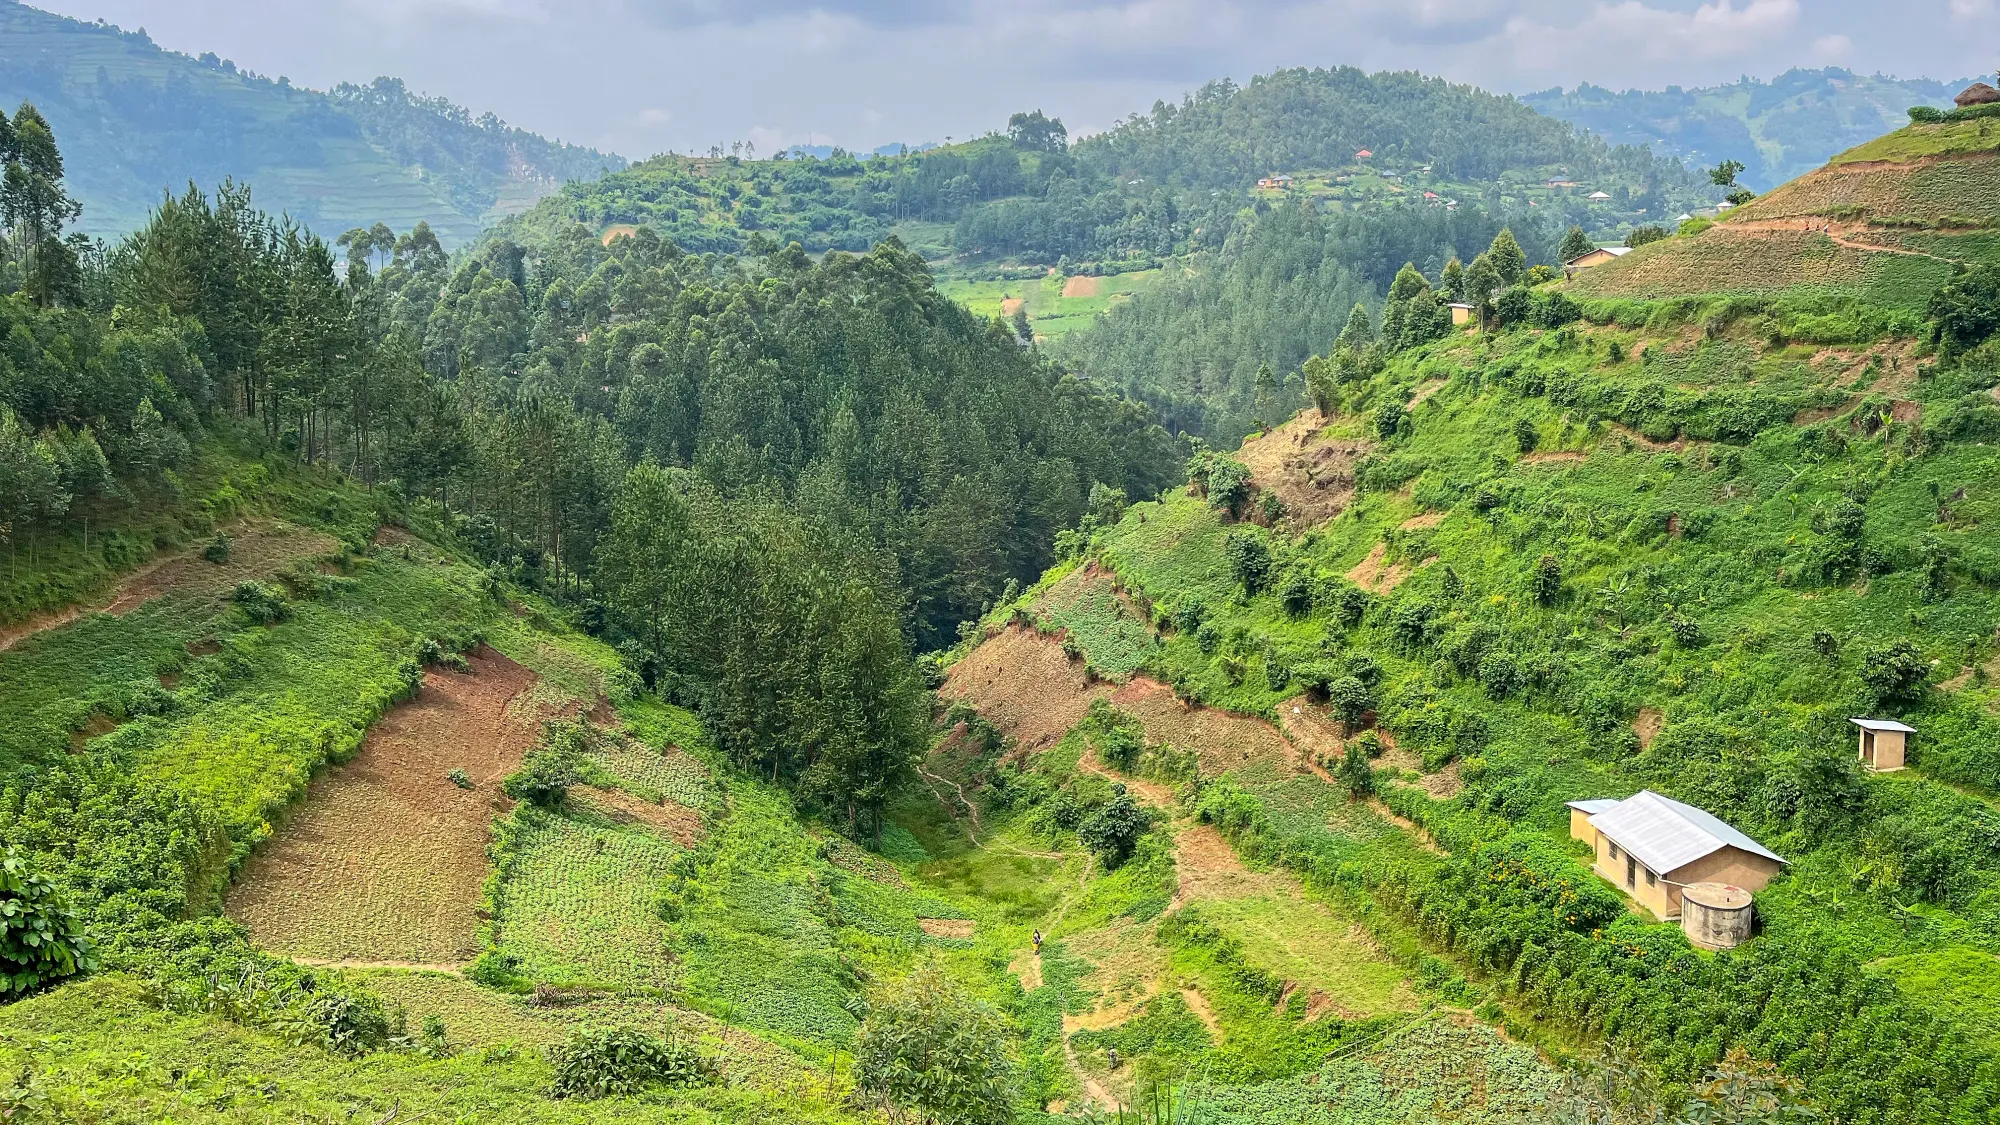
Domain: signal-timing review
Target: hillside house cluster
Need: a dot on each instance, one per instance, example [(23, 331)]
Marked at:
[(1280, 182)]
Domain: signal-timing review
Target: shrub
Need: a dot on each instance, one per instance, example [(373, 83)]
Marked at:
[(1249, 560), (459, 778), (928, 1047), (1388, 420), (1925, 115), (1895, 673), (217, 550), (1228, 485), (1349, 699), (1296, 595), (597, 1062), (1546, 585), (261, 602), (1526, 436), (551, 767), (1355, 772), (1113, 831), (41, 941), (1640, 236)]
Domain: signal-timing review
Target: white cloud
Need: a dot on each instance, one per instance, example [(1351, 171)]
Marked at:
[(1616, 34), (1832, 49)]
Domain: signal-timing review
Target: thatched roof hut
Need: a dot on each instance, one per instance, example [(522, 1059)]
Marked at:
[(1979, 93)]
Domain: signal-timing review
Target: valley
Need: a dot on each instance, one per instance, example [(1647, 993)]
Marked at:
[(1034, 630)]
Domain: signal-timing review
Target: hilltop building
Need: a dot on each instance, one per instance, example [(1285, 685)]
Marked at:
[(1596, 257), (1979, 93), (1884, 744), (1678, 862)]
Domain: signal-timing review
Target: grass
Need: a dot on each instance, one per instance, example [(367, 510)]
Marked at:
[(97, 1051), (1051, 314), (1965, 982)]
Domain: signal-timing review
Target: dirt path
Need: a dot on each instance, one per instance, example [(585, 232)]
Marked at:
[(454, 969), (971, 810), (384, 859), (1839, 234), (261, 547)]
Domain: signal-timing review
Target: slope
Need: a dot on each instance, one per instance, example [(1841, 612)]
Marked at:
[(135, 120), (1887, 220), (1782, 128), (1677, 556)]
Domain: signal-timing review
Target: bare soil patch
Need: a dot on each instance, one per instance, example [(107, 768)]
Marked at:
[(1083, 287), (1376, 576), (384, 859), (1223, 741), (1198, 1004), (262, 547), (1311, 474), (1646, 724), (1026, 685), (959, 928), (1420, 522), (1011, 305), (1424, 392), (258, 549), (669, 817), (1555, 457)]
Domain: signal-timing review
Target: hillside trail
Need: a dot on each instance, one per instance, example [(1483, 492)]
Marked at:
[(933, 780), (261, 548), (1839, 235), (452, 969)]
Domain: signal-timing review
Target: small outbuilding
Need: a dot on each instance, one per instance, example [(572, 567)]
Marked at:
[(1654, 847), (1979, 93), (1461, 313), (1598, 196), (1885, 744)]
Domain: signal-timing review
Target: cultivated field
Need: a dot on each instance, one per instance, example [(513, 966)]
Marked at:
[(384, 860)]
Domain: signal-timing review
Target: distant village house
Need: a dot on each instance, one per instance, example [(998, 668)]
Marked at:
[(1596, 257), (1598, 196), (1884, 744), (1280, 182), (1562, 182), (1363, 154), (1678, 862)]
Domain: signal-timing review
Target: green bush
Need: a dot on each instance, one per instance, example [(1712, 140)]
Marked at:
[(1249, 560), (217, 550), (928, 1047), (41, 941), (601, 1062), (261, 602), (554, 765), (1113, 831)]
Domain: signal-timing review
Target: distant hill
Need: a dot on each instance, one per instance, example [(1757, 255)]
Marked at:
[(1887, 220), (1160, 186), (134, 120), (1781, 129)]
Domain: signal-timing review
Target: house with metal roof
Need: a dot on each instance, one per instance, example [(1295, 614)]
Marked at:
[(1655, 848), (1884, 744)]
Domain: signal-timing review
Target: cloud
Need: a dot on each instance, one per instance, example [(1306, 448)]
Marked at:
[(637, 76), (742, 13)]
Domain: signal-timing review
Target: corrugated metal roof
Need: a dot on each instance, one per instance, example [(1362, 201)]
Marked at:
[(1882, 724), (1596, 806), (1665, 834)]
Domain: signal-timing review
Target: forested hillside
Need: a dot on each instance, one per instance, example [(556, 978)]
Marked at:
[(136, 120), (1781, 128)]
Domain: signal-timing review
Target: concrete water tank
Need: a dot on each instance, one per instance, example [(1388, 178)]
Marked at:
[(1716, 915)]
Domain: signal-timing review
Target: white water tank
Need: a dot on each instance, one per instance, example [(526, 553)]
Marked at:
[(1716, 915)]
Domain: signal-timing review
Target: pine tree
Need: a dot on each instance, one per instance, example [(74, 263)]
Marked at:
[(1575, 245), (1509, 261)]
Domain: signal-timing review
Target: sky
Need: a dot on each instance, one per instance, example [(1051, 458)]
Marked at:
[(638, 77)]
